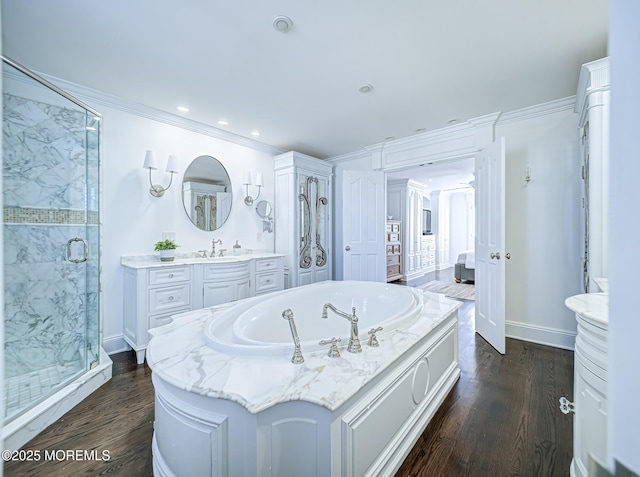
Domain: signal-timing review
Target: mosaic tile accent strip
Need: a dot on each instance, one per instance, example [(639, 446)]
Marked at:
[(29, 215)]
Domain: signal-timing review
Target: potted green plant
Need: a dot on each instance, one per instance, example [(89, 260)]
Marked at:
[(167, 249)]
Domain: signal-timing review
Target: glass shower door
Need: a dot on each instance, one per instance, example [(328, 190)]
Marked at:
[(51, 240)]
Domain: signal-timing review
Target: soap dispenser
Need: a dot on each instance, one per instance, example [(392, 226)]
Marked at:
[(236, 248)]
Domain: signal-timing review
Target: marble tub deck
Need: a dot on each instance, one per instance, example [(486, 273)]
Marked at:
[(178, 354)]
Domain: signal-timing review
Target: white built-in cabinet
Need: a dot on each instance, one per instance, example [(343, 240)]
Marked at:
[(405, 199), (592, 103), (155, 291), (590, 381), (303, 203)]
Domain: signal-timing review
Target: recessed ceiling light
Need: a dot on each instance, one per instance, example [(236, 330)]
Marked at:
[(389, 138), (453, 121), (420, 130), (365, 88), (255, 133), (223, 122), (183, 109), (282, 24)]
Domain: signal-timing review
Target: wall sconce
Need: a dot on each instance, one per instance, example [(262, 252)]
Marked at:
[(157, 190), (248, 200)]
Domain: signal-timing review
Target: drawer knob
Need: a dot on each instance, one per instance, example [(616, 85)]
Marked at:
[(171, 275), (268, 281), (171, 298)]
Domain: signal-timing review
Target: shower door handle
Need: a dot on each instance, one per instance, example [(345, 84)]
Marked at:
[(86, 250)]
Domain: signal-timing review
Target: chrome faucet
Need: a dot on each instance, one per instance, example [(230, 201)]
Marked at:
[(354, 341), (213, 246), (297, 353)]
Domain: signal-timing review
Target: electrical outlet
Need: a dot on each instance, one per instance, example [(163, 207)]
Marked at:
[(169, 236)]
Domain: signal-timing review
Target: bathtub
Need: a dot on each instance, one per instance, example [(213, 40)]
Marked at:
[(256, 327), (223, 408)]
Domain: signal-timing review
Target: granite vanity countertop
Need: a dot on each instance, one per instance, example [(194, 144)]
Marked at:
[(179, 355), (153, 261), (593, 306)]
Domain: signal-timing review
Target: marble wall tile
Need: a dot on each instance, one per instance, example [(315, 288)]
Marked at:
[(51, 304)]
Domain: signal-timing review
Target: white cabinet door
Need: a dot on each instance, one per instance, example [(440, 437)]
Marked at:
[(216, 293)]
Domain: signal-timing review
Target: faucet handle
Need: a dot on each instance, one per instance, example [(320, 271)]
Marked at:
[(203, 253), (373, 341), (333, 351)]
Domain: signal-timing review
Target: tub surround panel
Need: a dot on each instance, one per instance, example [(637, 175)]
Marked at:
[(356, 415), (179, 355)]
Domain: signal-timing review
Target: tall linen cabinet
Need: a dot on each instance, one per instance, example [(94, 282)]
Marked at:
[(303, 204)]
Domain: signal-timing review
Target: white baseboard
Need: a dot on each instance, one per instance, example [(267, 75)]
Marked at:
[(541, 335), (115, 344)]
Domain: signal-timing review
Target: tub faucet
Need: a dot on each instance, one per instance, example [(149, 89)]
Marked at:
[(213, 246), (354, 341), (297, 353)]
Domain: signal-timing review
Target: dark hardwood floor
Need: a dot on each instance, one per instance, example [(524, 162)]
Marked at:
[(500, 419)]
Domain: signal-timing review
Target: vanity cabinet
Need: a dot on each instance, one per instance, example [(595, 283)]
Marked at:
[(590, 381), (268, 276), (155, 291), (150, 298), (303, 198), (225, 282)]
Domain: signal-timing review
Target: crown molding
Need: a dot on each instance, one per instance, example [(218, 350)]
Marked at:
[(530, 112), (90, 95), (594, 77), (350, 156)]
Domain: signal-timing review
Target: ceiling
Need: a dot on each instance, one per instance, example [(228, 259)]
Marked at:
[(429, 62)]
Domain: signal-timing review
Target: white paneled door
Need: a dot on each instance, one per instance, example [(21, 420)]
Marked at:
[(363, 228), (490, 244)]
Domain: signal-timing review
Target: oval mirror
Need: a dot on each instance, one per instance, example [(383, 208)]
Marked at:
[(206, 193), (263, 209)]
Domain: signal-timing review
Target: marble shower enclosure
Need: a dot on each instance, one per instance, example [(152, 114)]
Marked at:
[(50, 193)]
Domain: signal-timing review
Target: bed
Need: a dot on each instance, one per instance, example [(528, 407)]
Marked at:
[(465, 266)]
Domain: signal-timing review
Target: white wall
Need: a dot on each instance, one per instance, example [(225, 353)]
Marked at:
[(624, 326), (543, 232), (133, 220), (458, 225)]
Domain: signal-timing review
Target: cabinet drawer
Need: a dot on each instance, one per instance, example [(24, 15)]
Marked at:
[(393, 249), (266, 265), (222, 272), (393, 227), (169, 298), (393, 270), (160, 276), (393, 259), (266, 282), (393, 237)]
